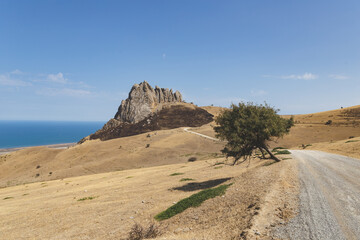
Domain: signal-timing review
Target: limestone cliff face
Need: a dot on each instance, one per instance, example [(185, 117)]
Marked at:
[(143, 100)]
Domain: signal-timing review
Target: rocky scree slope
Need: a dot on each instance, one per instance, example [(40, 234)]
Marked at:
[(148, 109)]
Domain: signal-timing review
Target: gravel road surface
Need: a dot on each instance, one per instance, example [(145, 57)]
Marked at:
[(329, 198)]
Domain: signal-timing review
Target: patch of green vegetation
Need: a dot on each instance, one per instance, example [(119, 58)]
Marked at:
[(218, 163), (25, 194), (129, 177), (5, 198), (176, 174), (194, 200), (277, 148), (282, 152), (87, 198), (218, 167), (350, 141), (286, 158), (186, 179)]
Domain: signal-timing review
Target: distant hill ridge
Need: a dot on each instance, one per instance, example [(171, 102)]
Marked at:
[(147, 109)]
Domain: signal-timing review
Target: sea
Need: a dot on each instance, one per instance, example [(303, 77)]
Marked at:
[(15, 134)]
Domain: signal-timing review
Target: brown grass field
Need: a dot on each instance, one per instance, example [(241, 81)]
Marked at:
[(129, 183)]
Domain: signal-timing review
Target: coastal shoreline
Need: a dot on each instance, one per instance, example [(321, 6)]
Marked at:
[(56, 146)]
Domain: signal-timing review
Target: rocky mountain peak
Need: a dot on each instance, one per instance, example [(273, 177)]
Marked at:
[(143, 100)]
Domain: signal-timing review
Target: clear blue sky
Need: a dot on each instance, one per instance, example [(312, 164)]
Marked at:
[(76, 60)]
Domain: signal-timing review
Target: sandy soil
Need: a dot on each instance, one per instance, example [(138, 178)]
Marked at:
[(51, 210), (280, 204)]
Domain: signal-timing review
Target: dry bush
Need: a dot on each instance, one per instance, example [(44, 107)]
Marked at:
[(138, 232), (192, 159)]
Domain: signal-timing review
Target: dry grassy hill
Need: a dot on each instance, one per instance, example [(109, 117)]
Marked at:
[(145, 150), (107, 205), (312, 128), (100, 189), (165, 147)]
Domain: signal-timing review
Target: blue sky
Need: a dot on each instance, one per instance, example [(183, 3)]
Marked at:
[(76, 60)]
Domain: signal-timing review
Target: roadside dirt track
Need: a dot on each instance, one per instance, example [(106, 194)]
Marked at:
[(329, 198)]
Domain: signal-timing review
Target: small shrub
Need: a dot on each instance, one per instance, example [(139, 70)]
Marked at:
[(5, 198), (148, 135), (351, 137), (138, 232), (192, 159), (87, 198), (218, 167), (37, 175), (329, 122), (282, 152), (186, 179), (147, 145), (218, 163), (176, 174), (350, 141), (38, 166), (194, 200), (305, 146)]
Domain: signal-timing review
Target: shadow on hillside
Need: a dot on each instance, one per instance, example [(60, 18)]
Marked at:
[(201, 185)]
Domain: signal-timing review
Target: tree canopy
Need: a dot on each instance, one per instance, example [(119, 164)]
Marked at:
[(248, 126)]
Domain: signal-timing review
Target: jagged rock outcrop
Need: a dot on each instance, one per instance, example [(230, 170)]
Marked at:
[(169, 117), (143, 100), (148, 109)]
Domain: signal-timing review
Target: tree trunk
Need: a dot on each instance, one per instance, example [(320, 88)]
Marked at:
[(271, 155), (262, 152)]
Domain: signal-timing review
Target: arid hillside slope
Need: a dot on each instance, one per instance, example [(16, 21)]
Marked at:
[(322, 127), (309, 128), (95, 156), (107, 205)]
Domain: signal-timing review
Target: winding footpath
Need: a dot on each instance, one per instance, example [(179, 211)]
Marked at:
[(329, 198), (201, 135)]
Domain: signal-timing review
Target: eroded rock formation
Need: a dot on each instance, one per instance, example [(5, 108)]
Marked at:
[(148, 109), (144, 100)]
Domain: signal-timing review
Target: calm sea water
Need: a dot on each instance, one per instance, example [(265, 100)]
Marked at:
[(34, 133)]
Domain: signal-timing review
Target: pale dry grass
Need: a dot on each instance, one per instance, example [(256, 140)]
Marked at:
[(50, 210), (347, 147), (166, 147)]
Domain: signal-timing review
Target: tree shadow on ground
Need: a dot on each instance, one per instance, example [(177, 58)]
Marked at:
[(201, 185)]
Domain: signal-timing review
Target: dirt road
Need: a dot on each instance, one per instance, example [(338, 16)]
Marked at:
[(329, 198), (201, 135)]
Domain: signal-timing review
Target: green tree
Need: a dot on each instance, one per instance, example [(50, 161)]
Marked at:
[(247, 127)]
